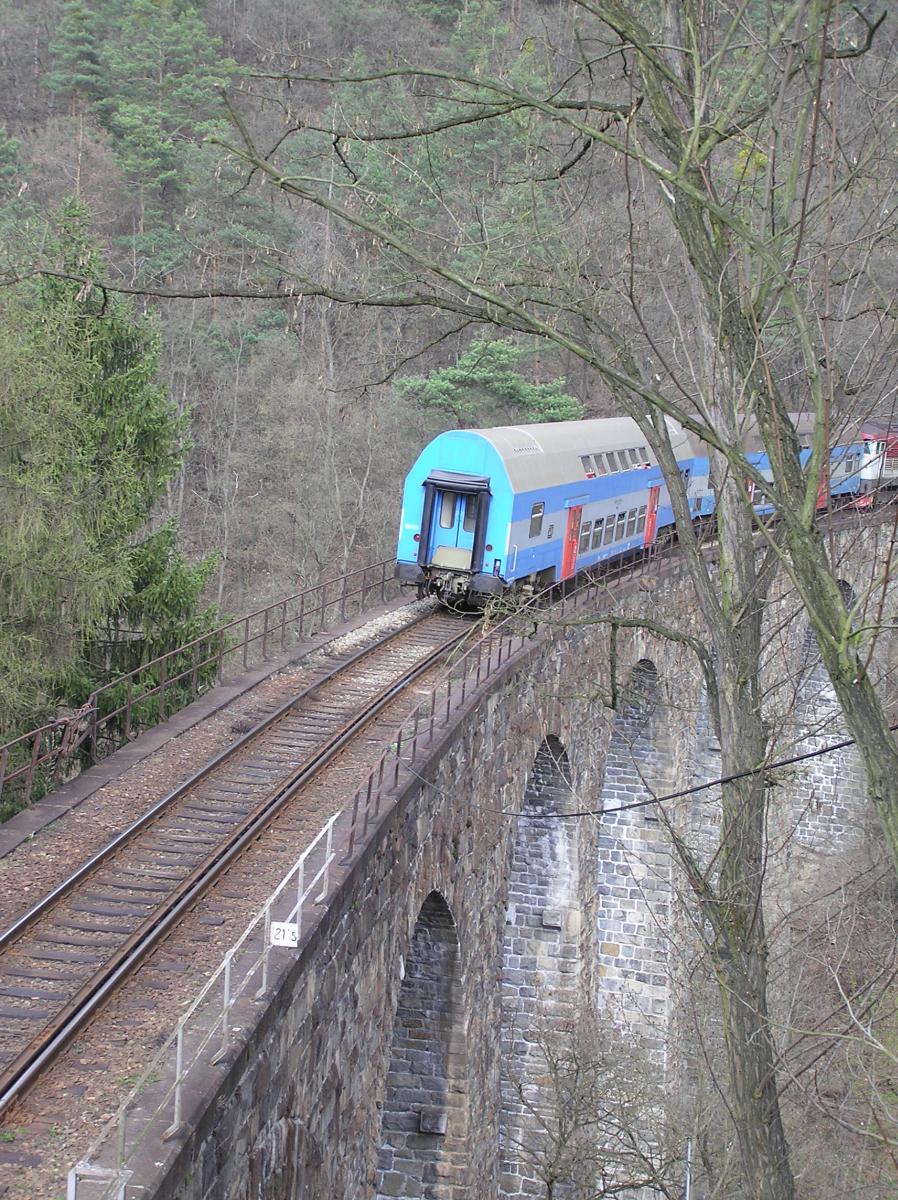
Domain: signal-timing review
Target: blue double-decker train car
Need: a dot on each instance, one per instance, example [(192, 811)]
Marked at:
[(530, 505), (527, 506)]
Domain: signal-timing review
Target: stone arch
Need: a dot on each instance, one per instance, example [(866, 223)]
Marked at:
[(634, 868), (815, 698), (423, 1149), (828, 793), (541, 961)]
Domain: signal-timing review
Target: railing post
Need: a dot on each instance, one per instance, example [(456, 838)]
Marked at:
[(302, 613), (352, 821), (266, 949), (300, 893), (179, 1078), (245, 642), (94, 727), (325, 883), (128, 701), (221, 651), (343, 598), (396, 764), (225, 1009), (284, 625), (163, 667), (265, 635), (195, 673), (32, 766)]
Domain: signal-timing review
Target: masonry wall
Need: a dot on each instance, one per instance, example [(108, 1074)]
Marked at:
[(540, 970), (316, 1104)]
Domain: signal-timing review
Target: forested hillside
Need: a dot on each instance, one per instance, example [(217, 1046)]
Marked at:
[(264, 436), (295, 437)]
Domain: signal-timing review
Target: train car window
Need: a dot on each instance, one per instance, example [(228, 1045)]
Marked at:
[(634, 457), (611, 459), (631, 522), (621, 526), (469, 523), (536, 519), (447, 510), (643, 454), (597, 533), (609, 531), (585, 532), (586, 463), (601, 468), (640, 519)]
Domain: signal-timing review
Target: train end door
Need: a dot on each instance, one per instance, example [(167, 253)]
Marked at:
[(571, 542), (451, 542)]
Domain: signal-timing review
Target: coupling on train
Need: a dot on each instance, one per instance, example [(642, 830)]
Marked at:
[(526, 506)]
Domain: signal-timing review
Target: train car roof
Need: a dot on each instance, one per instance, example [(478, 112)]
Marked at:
[(537, 456), (844, 430)]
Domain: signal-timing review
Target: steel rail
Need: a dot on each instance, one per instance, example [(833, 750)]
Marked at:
[(123, 961), (25, 1068), (22, 923)]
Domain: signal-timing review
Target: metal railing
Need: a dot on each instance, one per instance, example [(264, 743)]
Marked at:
[(248, 958), (433, 715), (118, 711), (208, 1020)]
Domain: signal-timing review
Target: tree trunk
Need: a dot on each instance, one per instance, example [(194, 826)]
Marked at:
[(739, 954), (739, 947), (863, 710)]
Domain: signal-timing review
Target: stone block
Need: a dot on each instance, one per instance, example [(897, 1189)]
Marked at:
[(433, 1120)]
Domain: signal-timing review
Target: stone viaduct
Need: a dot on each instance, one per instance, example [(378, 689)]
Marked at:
[(404, 1051)]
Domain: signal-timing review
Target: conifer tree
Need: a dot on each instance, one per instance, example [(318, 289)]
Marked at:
[(88, 440), (485, 386), (78, 71)]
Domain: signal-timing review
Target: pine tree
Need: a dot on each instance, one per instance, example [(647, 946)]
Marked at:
[(484, 386), (78, 71)]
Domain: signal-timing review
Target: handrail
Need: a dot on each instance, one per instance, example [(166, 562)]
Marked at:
[(207, 1019), (158, 1092), (166, 684)]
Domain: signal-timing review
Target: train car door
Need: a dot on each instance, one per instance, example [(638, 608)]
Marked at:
[(571, 542), (823, 490), (651, 516), (452, 529)]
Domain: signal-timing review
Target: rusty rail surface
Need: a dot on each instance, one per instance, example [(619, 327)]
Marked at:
[(116, 712)]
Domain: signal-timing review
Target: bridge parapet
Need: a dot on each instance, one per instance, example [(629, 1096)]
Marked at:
[(472, 912)]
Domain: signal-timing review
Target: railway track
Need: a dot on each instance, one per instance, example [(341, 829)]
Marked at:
[(63, 958)]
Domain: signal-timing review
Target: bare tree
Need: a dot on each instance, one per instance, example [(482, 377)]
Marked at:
[(735, 123)]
